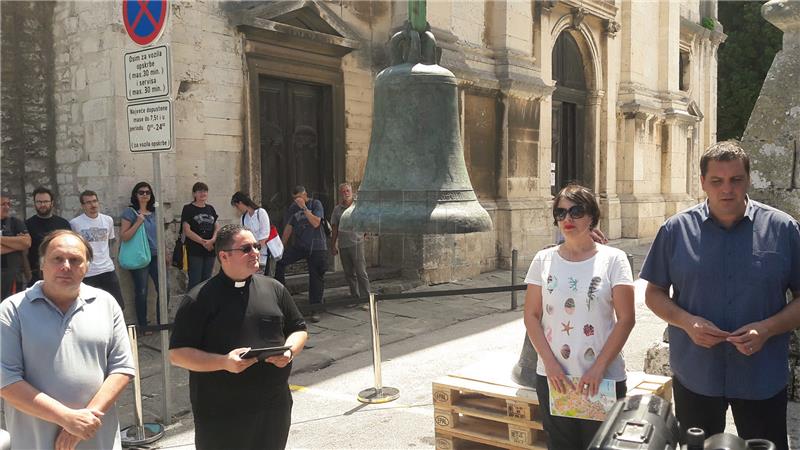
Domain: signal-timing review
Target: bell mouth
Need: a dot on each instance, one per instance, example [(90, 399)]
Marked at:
[(416, 217)]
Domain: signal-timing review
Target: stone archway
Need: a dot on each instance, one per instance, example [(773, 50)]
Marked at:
[(572, 155)]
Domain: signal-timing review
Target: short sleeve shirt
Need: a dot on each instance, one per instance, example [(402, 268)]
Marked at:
[(307, 237), (344, 239), (201, 221), (98, 231), (218, 316), (149, 227), (67, 356), (259, 224), (38, 228), (730, 277), (578, 314)]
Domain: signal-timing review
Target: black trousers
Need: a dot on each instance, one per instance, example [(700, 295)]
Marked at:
[(755, 419), (109, 282), (567, 433), (265, 429), (317, 266)]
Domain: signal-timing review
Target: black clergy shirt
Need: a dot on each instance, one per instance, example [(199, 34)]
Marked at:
[(217, 317)]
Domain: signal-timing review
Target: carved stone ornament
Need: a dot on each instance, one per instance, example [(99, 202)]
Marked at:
[(612, 27), (545, 6), (578, 14)]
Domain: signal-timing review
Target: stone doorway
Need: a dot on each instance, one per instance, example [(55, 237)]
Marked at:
[(570, 160)]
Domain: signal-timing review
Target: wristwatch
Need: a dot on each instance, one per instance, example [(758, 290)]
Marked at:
[(291, 355)]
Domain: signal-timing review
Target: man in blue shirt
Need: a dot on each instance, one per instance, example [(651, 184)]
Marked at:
[(729, 262), (304, 220)]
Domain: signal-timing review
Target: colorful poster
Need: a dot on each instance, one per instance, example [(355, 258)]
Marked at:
[(575, 405)]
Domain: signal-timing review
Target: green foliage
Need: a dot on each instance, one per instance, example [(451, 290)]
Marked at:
[(743, 62), (709, 23)]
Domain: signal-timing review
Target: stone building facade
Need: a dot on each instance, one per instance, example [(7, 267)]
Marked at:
[(619, 95)]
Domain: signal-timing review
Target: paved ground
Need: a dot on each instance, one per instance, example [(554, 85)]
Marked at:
[(421, 339)]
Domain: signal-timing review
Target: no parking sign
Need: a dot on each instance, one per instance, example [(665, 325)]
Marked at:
[(144, 20)]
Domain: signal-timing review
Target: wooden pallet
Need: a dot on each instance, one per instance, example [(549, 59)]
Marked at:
[(645, 383), (484, 413)]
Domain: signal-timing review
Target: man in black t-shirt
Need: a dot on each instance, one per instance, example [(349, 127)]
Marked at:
[(14, 241), (40, 226), (238, 403)]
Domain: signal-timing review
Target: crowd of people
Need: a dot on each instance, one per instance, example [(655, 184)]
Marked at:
[(718, 273)]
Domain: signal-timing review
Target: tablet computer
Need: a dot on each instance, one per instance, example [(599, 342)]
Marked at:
[(264, 352)]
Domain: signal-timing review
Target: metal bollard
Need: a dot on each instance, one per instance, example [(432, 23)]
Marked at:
[(630, 261), (141, 433), (379, 393), (514, 256)]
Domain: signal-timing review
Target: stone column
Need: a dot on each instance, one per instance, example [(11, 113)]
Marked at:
[(772, 137)]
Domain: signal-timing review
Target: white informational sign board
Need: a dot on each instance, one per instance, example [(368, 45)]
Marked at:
[(150, 126), (147, 73)]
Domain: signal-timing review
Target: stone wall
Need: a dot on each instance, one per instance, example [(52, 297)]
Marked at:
[(28, 128)]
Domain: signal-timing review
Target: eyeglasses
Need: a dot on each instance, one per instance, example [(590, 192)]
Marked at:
[(143, 192), (576, 212), (247, 248), (90, 202)]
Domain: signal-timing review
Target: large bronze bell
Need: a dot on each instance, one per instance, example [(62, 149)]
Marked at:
[(416, 181)]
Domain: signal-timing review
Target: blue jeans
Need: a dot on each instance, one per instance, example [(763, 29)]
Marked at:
[(140, 290), (200, 268)]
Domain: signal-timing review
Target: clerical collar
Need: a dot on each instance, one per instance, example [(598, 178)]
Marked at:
[(236, 284)]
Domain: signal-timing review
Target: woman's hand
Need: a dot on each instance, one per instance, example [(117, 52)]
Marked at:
[(557, 378), (589, 383)]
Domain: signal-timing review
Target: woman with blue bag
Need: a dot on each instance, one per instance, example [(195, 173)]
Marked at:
[(139, 225)]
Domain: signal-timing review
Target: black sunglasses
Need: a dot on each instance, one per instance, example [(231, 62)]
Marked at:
[(575, 211), (143, 192), (247, 248)]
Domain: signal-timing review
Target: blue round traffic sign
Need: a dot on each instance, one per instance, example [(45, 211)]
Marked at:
[(144, 19)]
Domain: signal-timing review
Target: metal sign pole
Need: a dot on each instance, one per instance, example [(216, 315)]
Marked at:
[(163, 306), (141, 433), (378, 394)]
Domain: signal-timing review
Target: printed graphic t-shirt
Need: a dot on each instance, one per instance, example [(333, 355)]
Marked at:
[(98, 232), (201, 221), (577, 310)]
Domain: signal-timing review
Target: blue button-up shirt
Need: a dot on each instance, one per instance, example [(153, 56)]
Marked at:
[(731, 277)]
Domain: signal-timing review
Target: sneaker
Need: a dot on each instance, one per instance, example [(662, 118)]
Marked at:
[(313, 318)]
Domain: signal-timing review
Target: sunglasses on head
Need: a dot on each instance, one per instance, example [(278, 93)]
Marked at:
[(247, 248), (143, 192), (575, 211)]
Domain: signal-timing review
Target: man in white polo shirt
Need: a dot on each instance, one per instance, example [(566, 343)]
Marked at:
[(98, 229)]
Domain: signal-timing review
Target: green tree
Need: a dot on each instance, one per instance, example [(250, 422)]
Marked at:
[(743, 62)]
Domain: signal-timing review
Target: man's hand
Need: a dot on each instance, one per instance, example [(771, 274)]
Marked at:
[(280, 361), (66, 441), (300, 202), (704, 333), (82, 423), (208, 245), (598, 236), (334, 250), (750, 338), (235, 364)]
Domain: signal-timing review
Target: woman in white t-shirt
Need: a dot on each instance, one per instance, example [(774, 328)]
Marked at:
[(255, 219), (579, 312)]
